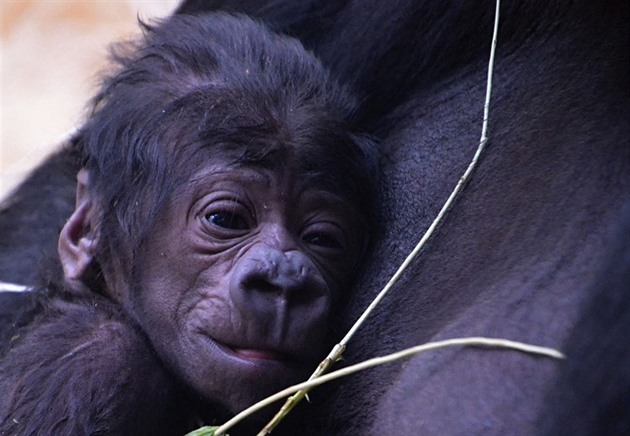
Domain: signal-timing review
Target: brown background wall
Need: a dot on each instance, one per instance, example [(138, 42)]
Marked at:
[(50, 54)]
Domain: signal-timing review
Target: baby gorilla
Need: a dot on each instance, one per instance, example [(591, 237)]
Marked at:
[(222, 212)]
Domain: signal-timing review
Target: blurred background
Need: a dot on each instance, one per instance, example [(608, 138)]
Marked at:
[(51, 52)]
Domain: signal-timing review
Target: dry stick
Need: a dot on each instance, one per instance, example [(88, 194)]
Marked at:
[(472, 341), (338, 349)]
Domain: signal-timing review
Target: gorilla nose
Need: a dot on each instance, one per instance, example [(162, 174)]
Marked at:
[(281, 296), (271, 273)]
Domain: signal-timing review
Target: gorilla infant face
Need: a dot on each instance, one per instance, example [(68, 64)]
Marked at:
[(224, 204), (238, 277)]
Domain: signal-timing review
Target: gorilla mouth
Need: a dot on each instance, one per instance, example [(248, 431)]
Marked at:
[(258, 355)]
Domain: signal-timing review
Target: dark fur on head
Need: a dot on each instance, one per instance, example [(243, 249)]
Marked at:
[(188, 88), (191, 95)]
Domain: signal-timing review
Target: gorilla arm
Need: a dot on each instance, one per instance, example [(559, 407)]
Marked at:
[(84, 368)]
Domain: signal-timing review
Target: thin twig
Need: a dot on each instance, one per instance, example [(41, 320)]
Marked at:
[(472, 341), (336, 352)]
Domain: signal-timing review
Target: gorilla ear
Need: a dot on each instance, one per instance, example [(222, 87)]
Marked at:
[(79, 237)]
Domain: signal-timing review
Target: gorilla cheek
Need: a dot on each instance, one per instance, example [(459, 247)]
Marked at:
[(237, 336)]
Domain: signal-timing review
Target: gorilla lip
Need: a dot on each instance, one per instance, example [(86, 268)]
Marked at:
[(254, 354), (257, 354)]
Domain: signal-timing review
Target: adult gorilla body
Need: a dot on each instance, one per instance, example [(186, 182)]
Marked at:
[(519, 253)]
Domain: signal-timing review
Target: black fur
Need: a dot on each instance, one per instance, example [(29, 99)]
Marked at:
[(519, 254), (193, 90), (592, 393), (84, 368), (29, 237)]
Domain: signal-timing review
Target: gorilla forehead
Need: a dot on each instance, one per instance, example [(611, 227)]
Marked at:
[(225, 86), (275, 138)]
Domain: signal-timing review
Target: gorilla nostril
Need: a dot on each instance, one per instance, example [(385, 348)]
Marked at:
[(260, 284), (272, 274)]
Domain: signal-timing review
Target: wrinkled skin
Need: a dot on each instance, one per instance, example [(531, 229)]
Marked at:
[(238, 279)]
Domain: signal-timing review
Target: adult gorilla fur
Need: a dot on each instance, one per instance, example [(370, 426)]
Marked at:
[(522, 253)]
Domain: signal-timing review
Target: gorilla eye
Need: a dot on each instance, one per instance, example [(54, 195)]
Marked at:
[(322, 240), (226, 217), (326, 237), (228, 220)]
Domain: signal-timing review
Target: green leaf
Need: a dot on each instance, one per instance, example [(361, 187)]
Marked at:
[(204, 431)]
